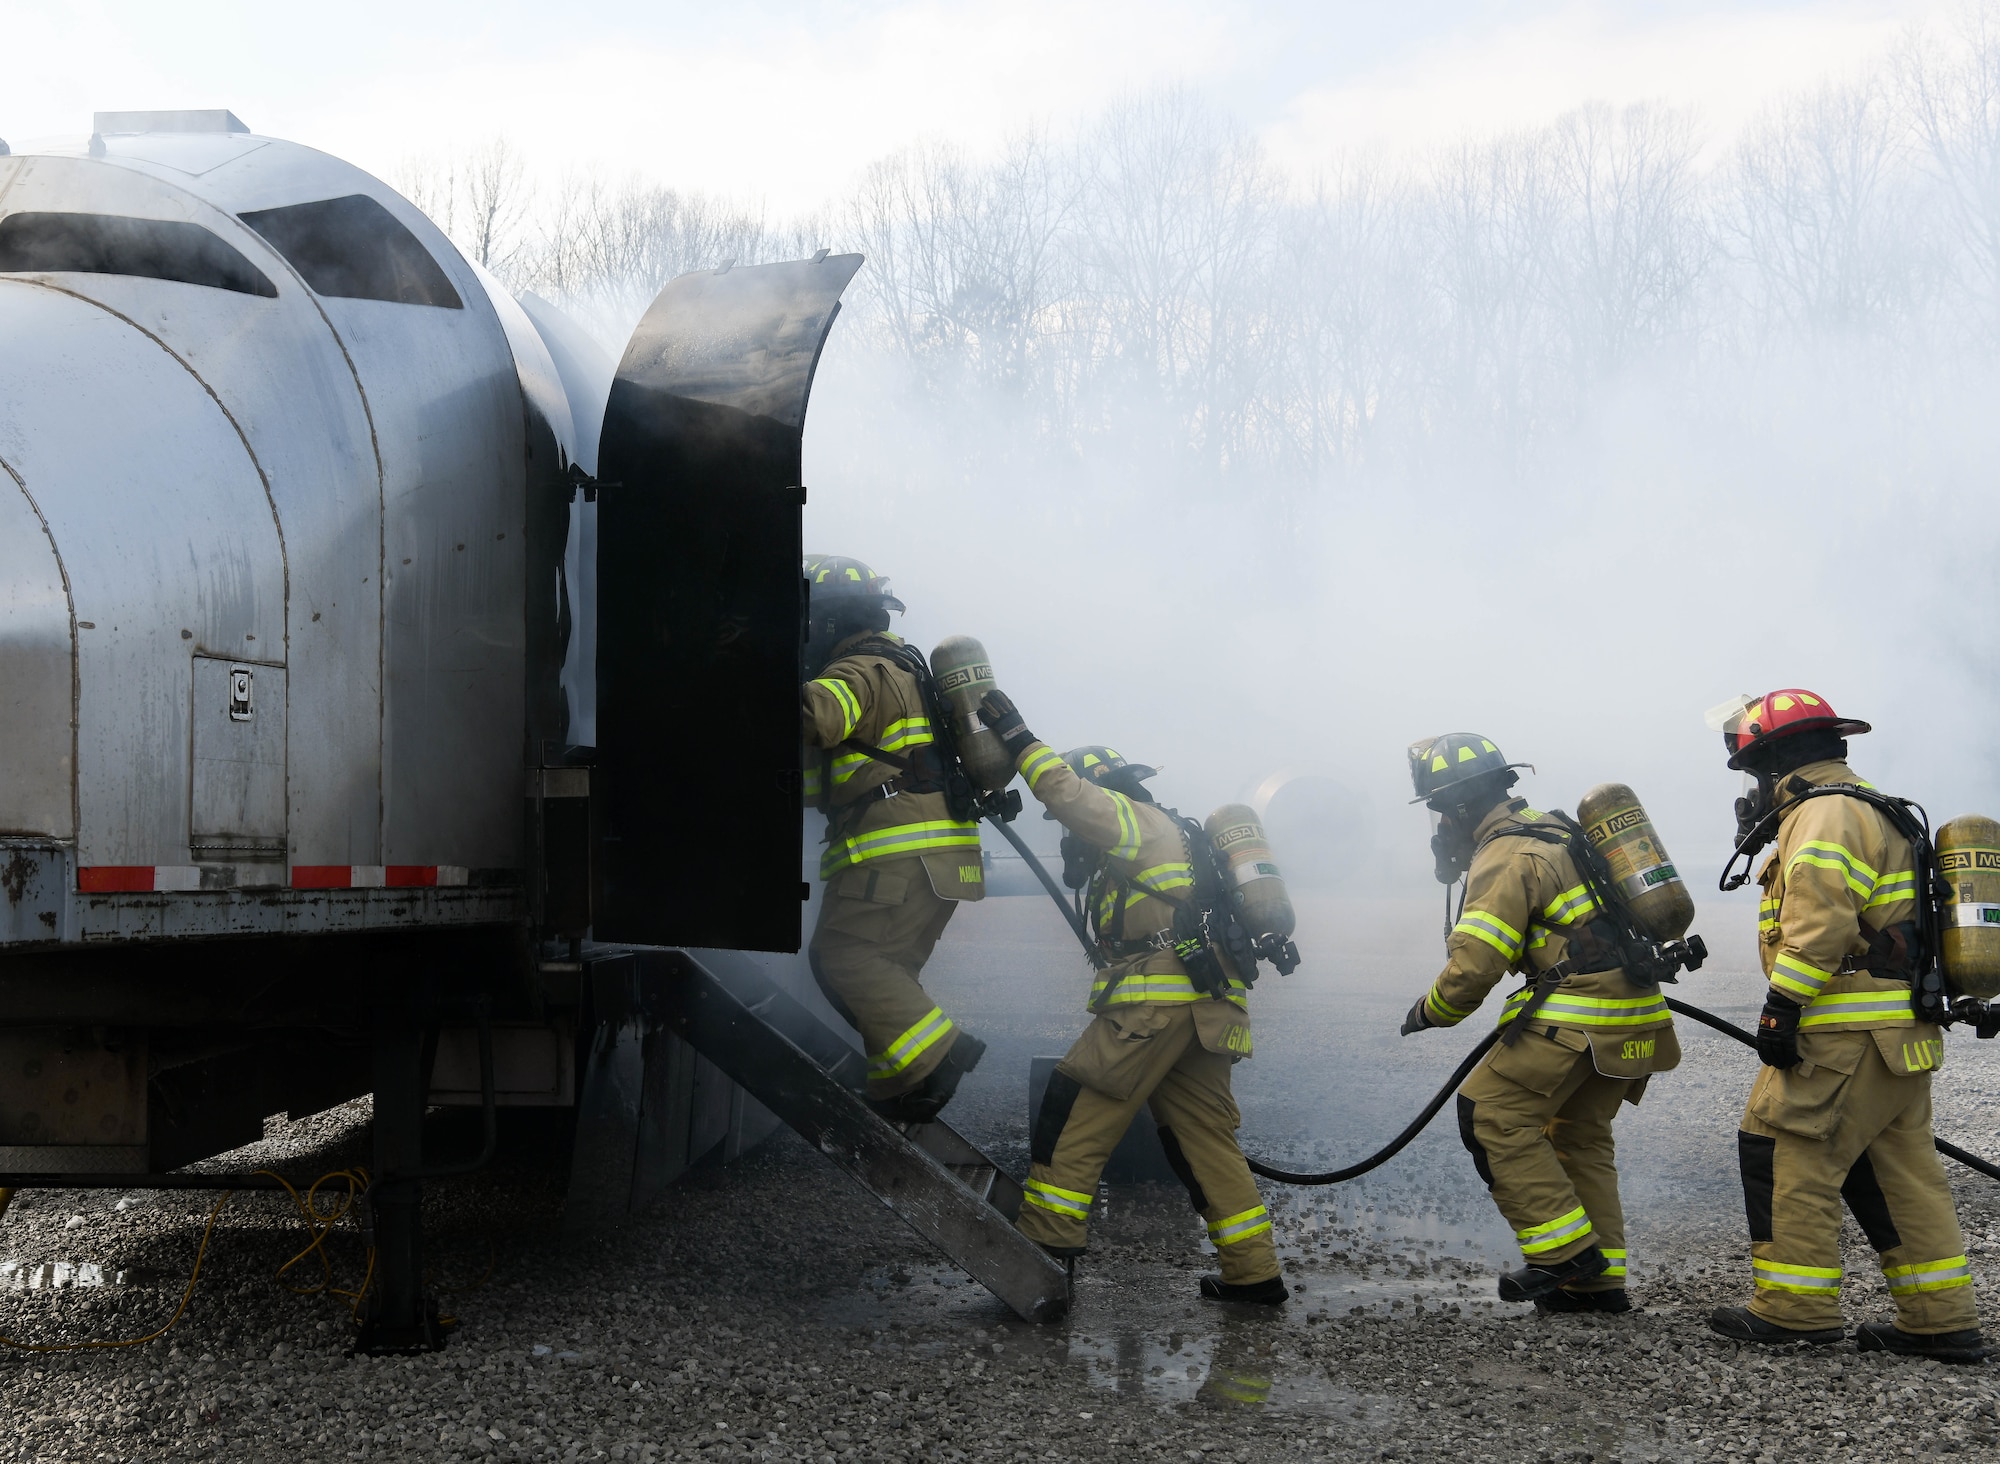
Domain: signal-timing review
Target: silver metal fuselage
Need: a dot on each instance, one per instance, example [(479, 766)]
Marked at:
[(265, 570)]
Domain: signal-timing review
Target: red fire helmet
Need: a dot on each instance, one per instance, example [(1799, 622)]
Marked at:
[(1747, 721)]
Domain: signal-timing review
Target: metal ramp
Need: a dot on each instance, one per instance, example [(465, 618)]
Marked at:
[(806, 1074)]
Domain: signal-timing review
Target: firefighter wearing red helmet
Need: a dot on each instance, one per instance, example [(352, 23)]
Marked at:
[(1841, 1110)]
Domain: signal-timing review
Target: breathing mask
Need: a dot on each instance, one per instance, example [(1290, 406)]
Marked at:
[(1451, 845), (1759, 795)]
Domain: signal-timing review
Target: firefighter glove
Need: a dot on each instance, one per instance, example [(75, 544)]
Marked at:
[(1778, 1032), (997, 710), (1419, 1017)]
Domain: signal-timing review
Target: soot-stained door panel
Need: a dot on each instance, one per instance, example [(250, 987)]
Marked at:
[(699, 608)]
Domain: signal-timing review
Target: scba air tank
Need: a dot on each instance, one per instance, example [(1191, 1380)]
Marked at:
[(1968, 857), (964, 674), (1249, 873), (1644, 875)]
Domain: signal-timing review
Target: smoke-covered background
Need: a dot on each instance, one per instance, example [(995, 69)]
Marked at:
[(1561, 434)]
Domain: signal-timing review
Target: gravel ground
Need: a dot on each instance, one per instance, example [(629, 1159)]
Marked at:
[(770, 1310)]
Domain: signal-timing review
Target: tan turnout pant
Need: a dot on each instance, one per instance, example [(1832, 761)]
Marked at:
[(878, 924), (1815, 1135), (1146, 1052), (1537, 1119)]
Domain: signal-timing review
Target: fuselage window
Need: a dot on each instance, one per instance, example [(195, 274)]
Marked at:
[(356, 249), (152, 249)]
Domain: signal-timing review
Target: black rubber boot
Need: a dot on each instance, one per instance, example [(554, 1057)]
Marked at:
[(1257, 1293), (923, 1103), (1530, 1283), (1613, 1302), (1740, 1324), (1966, 1346)]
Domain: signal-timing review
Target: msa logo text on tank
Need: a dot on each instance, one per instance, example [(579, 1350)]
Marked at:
[(1623, 820), (1659, 874), (1229, 838), (964, 676), (1957, 860)]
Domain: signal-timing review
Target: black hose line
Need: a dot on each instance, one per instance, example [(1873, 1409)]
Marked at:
[(1422, 1121), (1396, 1145), (1730, 1029)]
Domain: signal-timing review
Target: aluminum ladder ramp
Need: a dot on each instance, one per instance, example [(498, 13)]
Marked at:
[(942, 1186)]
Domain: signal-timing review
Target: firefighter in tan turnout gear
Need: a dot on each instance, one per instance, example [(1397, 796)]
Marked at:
[(897, 863), (1842, 1108), (1157, 1037), (1576, 1042)]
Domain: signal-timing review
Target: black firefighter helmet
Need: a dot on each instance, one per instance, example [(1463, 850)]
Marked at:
[(843, 597), (1441, 763)]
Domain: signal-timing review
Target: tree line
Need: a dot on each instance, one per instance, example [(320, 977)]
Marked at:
[(1153, 277)]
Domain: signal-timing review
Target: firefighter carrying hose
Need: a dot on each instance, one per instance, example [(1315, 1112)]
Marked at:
[(1159, 1036), (1577, 1041), (897, 863), (1842, 1108)]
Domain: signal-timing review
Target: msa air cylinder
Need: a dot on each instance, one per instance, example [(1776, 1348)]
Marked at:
[(1645, 877), (1968, 857), (1249, 873), (964, 675)]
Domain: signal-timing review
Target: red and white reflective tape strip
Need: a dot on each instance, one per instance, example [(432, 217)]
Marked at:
[(105, 879), (378, 876)]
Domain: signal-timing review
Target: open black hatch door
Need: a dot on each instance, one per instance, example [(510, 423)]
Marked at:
[(700, 608)]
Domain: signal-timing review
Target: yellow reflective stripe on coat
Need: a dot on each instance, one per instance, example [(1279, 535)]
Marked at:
[(1160, 986), (850, 707), (812, 783), (1798, 979), (1443, 1010), (1767, 914), (1129, 837), (1893, 887), (1552, 1234), (916, 838), (1804, 1280), (1490, 928), (909, 732), (1570, 906), (1590, 1011), (1233, 1228), (1928, 1276), (1175, 874), (1616, 1270), (913, 1044), (1832, 1008), (1071, 1203), (1824, 854), (1039, 762)]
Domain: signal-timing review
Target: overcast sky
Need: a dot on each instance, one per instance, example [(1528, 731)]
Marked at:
[(783, 102)]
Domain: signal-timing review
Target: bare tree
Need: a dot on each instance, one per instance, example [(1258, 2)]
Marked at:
[(496, 200), (1950, 90), (1818, 208)]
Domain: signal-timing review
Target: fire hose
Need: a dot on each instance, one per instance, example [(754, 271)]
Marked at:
[(1397, 1144), (1422, 1121)]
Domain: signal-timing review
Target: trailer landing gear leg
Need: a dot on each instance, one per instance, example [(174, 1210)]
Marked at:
[(398, 1315)]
